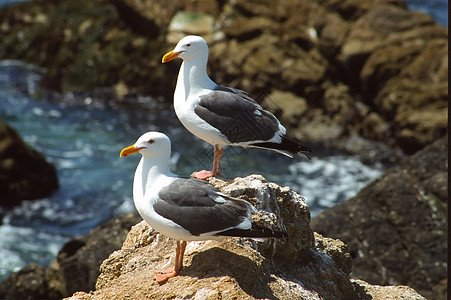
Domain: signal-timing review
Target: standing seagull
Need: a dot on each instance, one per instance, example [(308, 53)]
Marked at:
[(185, 209), (219, 115)]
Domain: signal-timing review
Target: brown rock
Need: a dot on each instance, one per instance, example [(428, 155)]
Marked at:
[(390, 60), (332, 31), (377, 292), (337, 250), (287, 106), (395, 227), (24, 173), (400, 59), (280, 203), (380, 27), (218, 270), (32, 282), (233, 268)]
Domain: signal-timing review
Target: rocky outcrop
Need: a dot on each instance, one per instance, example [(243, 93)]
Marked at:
[(303, 266), (396, 226), (24, 173), (226, 269), (222, 270), (349, 68)]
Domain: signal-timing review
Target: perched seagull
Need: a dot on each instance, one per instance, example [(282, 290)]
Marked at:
[(219, 115), (185, 209)]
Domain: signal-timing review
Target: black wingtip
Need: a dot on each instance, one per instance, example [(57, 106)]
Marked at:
[(287, 145)]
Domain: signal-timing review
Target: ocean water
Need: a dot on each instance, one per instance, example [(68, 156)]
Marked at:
[(96, 184)]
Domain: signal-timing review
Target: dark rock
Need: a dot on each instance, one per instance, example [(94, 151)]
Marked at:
[(24, 173), (396, 226), (75, 269), (337, 250), (32, 282), (79, 259)]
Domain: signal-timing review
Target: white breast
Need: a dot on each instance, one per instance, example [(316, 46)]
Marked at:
[(196, 125)]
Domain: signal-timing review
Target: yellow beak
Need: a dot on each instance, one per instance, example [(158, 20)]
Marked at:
[(130, 150), (170, 56)]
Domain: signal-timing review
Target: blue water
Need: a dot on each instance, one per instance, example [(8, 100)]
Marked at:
[(437, 9), (96, 185)]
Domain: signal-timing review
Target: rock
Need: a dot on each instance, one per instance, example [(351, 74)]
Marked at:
[(32, 282), (282, 205), (24, 173), (184, 23), (220, 270), (376, 292), (396, 226), (287, 106), (300, 267), (378, 28), (398, 58), (79, 260), (102, 44), (371, 69), (236, 268), (233, 268), (76, 267), (337, 250)]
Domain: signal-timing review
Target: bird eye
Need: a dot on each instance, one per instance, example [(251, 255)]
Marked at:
[(187, 45), (151, 141)]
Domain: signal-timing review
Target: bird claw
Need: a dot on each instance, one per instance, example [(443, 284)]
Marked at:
[(163, 276), (203, 175)]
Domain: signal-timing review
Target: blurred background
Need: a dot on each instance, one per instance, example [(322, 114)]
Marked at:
[(364, 84)]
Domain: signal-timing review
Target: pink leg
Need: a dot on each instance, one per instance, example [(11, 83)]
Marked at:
[(179, 260), (163, 276), (217, 161), (203, 175)]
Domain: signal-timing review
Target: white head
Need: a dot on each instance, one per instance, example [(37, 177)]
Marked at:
[(190, 47), (151, 145)]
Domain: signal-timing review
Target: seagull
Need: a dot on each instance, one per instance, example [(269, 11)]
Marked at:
[(220, 115), (185, 209)]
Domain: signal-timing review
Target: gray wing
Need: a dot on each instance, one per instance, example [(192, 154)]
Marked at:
[(200, 208), (239, 117)]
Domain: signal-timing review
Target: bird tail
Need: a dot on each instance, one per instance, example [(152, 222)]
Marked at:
[(255, 232), (287, 147)]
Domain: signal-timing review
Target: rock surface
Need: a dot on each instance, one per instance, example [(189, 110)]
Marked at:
[(237, 268), (350, 68), (213, 270), (304, 266), (396, 226), (24, 173), (367, 291)]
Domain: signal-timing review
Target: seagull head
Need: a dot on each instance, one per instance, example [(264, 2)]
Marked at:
[(151, 144), (189, 48)]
